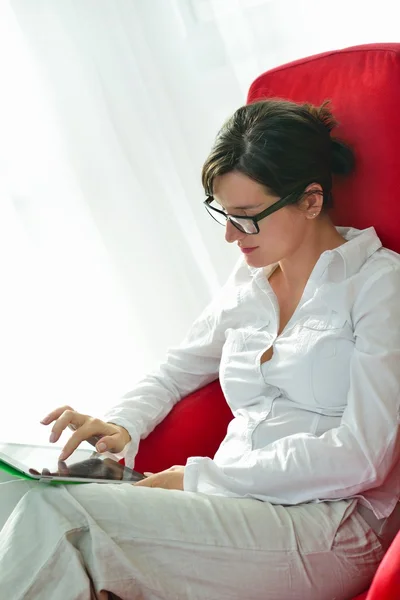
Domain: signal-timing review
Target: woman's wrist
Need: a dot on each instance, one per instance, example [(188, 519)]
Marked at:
[(125, 433)]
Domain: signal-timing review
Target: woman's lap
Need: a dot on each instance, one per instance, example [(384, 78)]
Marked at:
[(153, 543), (12, 489)]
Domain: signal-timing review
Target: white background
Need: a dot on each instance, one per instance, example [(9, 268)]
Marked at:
[(107, 110)]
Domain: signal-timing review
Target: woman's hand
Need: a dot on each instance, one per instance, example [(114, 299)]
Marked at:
[(105, 436), (170, 479)]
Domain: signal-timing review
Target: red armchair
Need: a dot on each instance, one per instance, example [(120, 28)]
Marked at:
[(363, 83)]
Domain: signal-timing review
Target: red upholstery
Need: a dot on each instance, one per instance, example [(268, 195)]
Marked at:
[(386, 583), (363, 83), (195, 427)]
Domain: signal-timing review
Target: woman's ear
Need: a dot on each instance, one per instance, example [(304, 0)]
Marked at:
[(312, 201)]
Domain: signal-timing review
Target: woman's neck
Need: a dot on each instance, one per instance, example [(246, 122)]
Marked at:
[(296, 269)]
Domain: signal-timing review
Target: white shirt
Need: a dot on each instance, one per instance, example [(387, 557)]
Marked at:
[(320, 420)]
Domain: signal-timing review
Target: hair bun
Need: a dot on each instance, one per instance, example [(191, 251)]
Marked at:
[(342, 158), (323, 114)]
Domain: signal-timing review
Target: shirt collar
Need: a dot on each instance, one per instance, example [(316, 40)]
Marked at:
[(342, 262), (346, 260)]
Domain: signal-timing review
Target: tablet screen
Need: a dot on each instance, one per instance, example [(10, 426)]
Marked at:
[(83, 464)]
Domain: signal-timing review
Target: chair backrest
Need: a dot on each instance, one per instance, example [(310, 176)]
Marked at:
[(363, 83)]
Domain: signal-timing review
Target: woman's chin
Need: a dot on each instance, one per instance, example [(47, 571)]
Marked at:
[(258, 260)]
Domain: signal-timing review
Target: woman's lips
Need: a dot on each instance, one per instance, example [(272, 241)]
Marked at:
[(248, 250)]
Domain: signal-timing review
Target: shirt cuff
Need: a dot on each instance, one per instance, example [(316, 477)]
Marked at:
[(204, 476), (191, 474), (131, 449)]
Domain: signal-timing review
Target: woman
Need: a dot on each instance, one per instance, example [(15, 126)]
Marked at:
[(300, 501)]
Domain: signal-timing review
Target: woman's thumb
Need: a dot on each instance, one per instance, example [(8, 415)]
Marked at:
[(101, 446), (108, 443)]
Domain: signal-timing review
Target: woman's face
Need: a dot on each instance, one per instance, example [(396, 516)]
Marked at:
[(281, 233)]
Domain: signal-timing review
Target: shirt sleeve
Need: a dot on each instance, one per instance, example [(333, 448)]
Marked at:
[(344, 461), (186, 368)]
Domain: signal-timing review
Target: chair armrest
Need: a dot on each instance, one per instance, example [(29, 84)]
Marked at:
[(195, 427), (386, 583)]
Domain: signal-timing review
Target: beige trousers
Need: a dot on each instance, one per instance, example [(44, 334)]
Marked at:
[(71, 542)]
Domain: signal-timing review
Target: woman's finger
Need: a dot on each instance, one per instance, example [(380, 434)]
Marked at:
[(67, 418), (83, 433), (93, 440), (62, 468), (90, 429), (55, 414), (150, 481), (109, 443), (170, 479), (74, 441)]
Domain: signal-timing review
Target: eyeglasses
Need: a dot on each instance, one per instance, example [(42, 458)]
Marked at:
[(247, 225)]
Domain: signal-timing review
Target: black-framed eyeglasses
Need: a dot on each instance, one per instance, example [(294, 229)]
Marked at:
[(247, 225)]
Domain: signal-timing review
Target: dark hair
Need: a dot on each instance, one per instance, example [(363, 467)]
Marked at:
[(282, 145)]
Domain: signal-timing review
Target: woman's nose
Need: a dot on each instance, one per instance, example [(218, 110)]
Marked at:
[(232, 233)]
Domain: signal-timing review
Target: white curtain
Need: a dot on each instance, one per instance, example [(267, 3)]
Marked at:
[(107, 111)]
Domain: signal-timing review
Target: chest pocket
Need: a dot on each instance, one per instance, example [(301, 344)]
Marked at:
[(329, 345)]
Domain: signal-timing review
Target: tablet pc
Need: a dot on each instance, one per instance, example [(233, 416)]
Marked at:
[(83, 466)]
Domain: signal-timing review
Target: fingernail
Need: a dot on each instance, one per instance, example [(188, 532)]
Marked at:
[(147, 473), (62, 456), (44, 421), (101, 447), (53, 437)]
